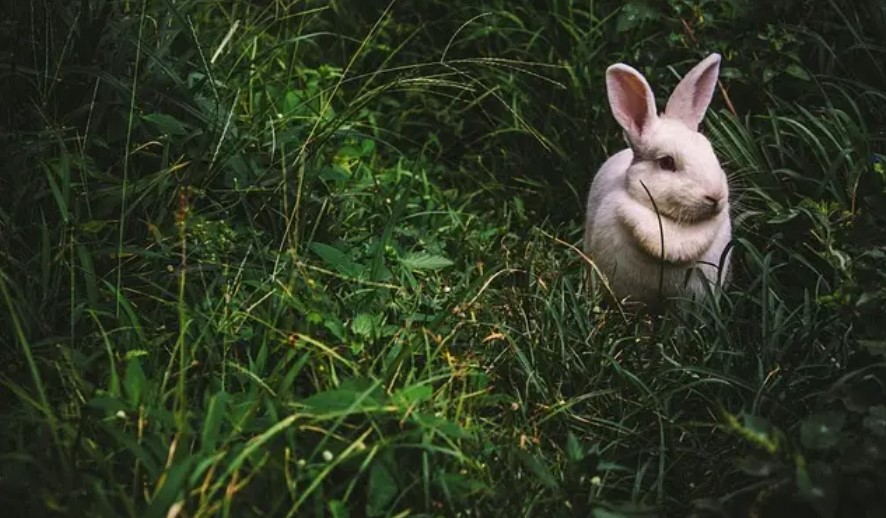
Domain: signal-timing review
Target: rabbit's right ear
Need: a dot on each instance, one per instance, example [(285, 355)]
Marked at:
[(631, 100), (693, 93)]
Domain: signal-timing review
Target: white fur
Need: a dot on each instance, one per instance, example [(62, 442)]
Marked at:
[(622, 229)]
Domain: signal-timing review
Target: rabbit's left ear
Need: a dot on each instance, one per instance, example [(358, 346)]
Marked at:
[(693, 94)]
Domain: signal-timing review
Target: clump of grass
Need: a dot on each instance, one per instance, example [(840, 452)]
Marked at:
[(270, 258)]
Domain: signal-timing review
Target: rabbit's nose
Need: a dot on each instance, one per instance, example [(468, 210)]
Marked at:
[(713, 201)]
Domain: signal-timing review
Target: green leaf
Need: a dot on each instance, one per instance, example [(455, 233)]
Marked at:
[(135, 382), (166, 124), (337, 259), (822, 430), (211, 426), (461, 488), (424, 261), (797, 71), (89, 275), (382, 489), (574, 451), (537, 468), (363, 324), (348, 397), (413, 395), (338, 509), (172, 488), (334, 173), (441, 425), (109, 405), (634, 14)]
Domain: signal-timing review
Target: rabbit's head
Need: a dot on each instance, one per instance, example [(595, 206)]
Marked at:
[(672, 159)]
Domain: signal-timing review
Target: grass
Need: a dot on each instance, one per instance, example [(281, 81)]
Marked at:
[(318, 258)]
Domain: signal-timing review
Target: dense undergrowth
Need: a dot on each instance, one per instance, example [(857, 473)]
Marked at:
[(279, 258)]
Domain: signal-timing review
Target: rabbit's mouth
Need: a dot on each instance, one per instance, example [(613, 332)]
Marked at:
[(696, 212)]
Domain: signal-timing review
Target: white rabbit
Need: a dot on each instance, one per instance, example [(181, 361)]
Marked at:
[(677, 165)]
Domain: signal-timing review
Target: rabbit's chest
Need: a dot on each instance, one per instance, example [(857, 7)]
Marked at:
[(633, 273)]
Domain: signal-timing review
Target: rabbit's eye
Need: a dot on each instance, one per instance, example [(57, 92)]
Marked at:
[(667, 163)]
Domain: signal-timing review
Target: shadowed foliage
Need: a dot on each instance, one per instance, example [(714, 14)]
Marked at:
[(312, 257)]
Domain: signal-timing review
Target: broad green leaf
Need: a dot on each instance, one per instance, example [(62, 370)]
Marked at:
[(537, 468), (347, 397), (109, 405), (382, 489), (424, 261), (126, 440), (413, 395), (574, 450), (441, 425), (214, 415), (334, 173), (171, 489), (135, 382), (166, 124), (797, 71), (337, 259), (461, 487), (363, 324), (338, 509)]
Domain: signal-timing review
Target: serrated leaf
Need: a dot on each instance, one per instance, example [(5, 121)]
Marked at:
[(166, 124), (363, 324), (424, 261)]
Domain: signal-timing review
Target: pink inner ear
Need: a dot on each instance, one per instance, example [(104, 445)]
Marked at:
[(629, 99), (693, 94)]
